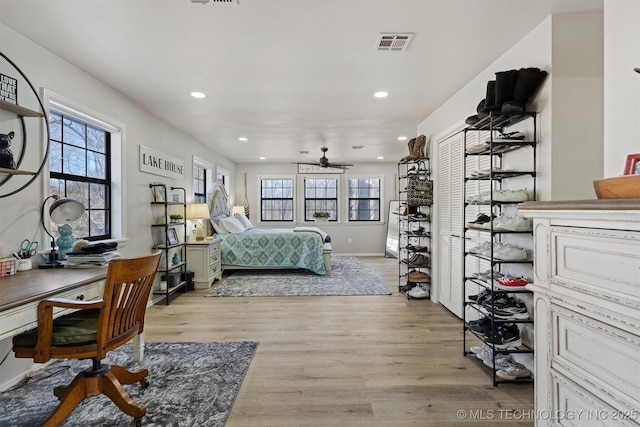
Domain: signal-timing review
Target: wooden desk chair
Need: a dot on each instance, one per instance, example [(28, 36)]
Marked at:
[(97, 327)]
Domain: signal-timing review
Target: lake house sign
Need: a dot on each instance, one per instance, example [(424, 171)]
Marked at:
[(157, 163)]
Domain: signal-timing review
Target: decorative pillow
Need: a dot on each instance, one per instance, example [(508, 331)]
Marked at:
[(243, 220), (217, 227), (232, 225)]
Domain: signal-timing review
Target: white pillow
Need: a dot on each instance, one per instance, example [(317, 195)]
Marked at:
[(219, 228), (243, 220), (232, 225)]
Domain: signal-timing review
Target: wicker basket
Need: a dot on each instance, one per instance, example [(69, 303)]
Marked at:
[(620, 187)]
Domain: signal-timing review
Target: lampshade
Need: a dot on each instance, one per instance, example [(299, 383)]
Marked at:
[(64, 211), (237, 209), (197, 211)]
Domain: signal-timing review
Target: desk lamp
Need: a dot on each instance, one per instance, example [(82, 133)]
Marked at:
[(62, 211), (198, 211)]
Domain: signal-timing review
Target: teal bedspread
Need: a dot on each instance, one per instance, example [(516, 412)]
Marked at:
[(269, 248)]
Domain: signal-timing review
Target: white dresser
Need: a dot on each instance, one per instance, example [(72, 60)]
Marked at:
[(587, 311), (204, 260)]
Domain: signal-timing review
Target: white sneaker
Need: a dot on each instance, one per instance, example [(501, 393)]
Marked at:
[(511, 196), (503, 361), (513, 371), (418, 292), (510, 253), (515, 223), (475, 349)]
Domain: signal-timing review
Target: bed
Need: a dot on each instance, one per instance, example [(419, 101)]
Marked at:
[(306, 248)]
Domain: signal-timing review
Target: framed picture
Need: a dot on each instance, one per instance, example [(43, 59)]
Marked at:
[(159, 192), (172, 236), (632, 166)]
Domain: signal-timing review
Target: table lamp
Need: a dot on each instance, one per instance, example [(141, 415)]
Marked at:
[(237, 209), (62, 212), (198, 211)]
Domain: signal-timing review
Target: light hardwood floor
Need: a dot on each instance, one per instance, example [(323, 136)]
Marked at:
[(347, 361)]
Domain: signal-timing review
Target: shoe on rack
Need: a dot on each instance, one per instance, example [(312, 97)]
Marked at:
[(507, 335), (502, 361), (515, 223), (514, 371), (510, 196), (480, 296), (510, 283), (419, 261), (479, 221), (475, 349), (483, 248), (509, 309), (477, 147), (418, 277), (418, 292), (509, 137), (510, 253), (481, 326), (406, 287), (417, 248)]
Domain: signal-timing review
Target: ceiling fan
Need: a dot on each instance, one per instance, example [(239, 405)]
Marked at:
[(324, 162)]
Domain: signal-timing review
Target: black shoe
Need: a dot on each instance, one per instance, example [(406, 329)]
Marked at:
[(507, 335)]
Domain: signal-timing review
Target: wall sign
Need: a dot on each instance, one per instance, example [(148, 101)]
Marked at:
[(157, 163), (8, 89)]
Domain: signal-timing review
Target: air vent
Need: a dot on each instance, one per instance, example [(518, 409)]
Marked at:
[(214, 1), (393, 41), (357, 147), (303, 152)]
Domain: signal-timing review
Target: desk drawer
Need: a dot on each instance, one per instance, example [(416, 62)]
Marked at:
[(24, 317)]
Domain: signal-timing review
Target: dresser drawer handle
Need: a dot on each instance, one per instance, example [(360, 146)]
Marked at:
[(80, 297)]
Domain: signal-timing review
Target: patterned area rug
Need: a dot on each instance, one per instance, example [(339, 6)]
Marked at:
[(349, 276), (191, 384)]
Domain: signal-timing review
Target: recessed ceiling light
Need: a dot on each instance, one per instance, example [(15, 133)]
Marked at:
[(381, 94), (402, 138), (380, 157), (243, 139), (262, 158), (198, 95)]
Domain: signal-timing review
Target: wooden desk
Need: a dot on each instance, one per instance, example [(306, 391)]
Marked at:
[(21, 293)]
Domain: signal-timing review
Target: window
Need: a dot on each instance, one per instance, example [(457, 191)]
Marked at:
[(276, 199), (364, 199), (199, 183), (320, 195), (80, 168)]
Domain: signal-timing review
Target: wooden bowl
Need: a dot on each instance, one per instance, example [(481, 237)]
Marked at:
[(620, 187)]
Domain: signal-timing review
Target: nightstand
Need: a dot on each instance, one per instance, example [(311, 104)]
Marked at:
[(204, 261)]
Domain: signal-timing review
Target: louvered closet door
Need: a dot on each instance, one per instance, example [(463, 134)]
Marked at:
[(450, 224)]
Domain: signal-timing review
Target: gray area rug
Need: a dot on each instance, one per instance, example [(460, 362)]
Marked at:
[(191, 384), (349, 276)]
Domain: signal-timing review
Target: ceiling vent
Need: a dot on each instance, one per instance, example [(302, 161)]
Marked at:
[(393, 41), (214, 1), (357, 147)]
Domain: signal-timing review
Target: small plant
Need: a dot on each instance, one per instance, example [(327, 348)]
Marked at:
[(175, 217), (321, 215)]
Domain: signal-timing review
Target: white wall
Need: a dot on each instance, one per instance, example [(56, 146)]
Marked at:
[(20, 213), (622, 84), (569, 104), (366, 238)]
